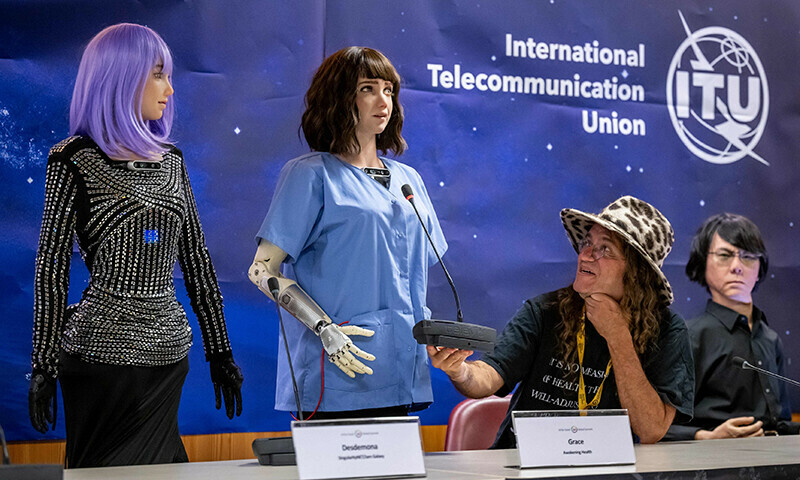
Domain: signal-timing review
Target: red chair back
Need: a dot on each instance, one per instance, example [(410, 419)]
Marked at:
[(473, 424)]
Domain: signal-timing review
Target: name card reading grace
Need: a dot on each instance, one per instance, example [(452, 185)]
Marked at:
[(373, 447), (550, 438)]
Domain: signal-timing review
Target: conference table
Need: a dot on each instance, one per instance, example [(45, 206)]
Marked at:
[(766, 457)]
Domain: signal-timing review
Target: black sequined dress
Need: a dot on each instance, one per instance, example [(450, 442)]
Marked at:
[(131, 228)]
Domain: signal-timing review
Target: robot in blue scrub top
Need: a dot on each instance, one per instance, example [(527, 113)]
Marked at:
[(354, 249)]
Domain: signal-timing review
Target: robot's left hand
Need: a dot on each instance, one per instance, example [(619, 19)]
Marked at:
[(42, 401), (340, 348), (227, 379)]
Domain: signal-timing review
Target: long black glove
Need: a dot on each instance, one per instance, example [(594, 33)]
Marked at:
[(42, 402), (227, 379)]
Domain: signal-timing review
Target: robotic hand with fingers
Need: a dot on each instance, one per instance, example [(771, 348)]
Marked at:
[(335, 339)]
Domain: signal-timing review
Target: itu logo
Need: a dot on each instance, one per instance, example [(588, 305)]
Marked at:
[(717, 95)]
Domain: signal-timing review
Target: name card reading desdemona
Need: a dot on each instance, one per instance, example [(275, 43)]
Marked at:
[(369, 447), (571, 437)]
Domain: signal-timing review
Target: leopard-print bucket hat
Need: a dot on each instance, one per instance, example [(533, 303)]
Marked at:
[(638, 223)]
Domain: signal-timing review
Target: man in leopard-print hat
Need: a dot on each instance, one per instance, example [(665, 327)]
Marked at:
[(632, 353)]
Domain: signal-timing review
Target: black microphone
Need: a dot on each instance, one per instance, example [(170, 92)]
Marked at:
[(274, 289), (745, 365), (447, 333)]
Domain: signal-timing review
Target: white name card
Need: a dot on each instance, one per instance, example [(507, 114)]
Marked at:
[(567, 438), (374, 447)]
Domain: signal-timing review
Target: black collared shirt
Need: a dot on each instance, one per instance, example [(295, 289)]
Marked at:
[(724, 391)]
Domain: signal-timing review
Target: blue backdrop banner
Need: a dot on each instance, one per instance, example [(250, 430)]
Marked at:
[(514, 110)]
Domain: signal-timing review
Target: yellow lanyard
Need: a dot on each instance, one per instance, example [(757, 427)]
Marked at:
[(582, 405)]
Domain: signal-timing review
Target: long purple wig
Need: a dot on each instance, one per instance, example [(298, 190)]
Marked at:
[(107, 99)]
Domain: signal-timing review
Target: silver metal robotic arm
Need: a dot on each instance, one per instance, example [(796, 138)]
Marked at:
[(293, 299)]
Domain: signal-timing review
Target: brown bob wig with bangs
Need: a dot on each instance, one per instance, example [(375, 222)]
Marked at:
[(329, 122)]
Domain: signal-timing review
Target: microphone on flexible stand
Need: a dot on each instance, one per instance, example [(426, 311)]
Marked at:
[(447, 333), (27, 470), (6, 458), (745, 365), (409, 194), (274, 289), (278, 450)]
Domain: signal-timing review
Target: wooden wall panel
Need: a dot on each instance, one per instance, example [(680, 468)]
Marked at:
[(207, 448), (200, 448), (45, 451), (433, 437)]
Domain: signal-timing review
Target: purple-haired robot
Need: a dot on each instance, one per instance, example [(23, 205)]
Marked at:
[(120, 187)]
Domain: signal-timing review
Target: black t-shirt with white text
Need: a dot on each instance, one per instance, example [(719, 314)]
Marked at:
[(526, 353)]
